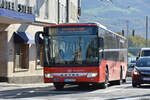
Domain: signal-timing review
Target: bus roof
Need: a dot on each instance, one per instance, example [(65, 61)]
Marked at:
[(72, 24), (116, 34)]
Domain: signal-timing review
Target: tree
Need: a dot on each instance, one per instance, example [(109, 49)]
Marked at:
[(136, 41)]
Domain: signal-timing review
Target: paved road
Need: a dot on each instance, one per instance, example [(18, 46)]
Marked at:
[(48, 92)]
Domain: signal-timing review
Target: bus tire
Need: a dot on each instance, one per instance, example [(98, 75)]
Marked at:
[(124, 80), (106, 82), (59, 86)]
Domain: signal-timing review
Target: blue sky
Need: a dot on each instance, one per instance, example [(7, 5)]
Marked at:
[(114, 15)]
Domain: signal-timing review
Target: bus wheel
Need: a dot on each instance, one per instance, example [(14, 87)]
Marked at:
[(124, 80), (105, 84), (59, 86)]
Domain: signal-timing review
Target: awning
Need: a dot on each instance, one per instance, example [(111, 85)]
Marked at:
[(23, 37), (13, 17)]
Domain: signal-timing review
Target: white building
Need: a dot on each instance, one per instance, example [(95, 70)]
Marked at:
[(19, 21)]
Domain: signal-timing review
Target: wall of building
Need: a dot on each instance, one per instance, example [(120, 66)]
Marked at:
[(3, 55), (32, 74), (46, 11)]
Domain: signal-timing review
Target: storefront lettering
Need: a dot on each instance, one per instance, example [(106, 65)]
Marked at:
[(20, 8)]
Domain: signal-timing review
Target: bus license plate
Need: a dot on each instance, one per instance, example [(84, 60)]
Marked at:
[(69, 80)]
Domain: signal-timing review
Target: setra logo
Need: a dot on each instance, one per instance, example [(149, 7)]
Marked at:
[(69, 70)]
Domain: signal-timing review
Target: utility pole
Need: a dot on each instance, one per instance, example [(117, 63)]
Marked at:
[(133, 32), (122, 32), (146, 31)]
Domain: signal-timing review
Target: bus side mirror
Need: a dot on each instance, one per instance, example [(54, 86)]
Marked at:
[(101, 42), (39, 37)]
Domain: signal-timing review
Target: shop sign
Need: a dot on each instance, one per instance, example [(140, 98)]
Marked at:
[(19, 7)]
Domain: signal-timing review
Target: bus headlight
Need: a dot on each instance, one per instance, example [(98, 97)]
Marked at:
[(90, 75), (48, 75)]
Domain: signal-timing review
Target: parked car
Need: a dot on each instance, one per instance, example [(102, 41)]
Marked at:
[(141, 72)]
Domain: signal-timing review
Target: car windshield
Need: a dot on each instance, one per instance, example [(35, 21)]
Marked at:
[(143, 62)]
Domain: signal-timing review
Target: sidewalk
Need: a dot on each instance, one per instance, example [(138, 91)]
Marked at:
[(10, 86)]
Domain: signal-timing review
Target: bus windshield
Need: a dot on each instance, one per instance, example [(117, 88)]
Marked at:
[(71, 50)]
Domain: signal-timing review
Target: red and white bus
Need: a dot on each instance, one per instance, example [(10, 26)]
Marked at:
[(83, 54)]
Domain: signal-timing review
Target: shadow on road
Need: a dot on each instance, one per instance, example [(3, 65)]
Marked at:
[(42, 91), (22, 92)]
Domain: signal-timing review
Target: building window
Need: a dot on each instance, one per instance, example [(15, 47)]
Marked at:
[(79, 7), (27, 5), (21, 57), (73, 11), (16, 5), (46, 9), (62, 13), (36, 8), (39, 49)]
